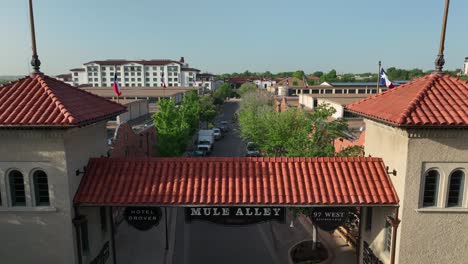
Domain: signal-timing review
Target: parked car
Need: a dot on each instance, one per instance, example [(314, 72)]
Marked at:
[(224, 126), (217, 133), (253, 150)]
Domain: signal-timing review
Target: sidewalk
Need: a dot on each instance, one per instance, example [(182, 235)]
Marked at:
[(285, 237)]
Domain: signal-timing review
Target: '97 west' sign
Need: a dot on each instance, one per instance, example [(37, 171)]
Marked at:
[(235, 215)]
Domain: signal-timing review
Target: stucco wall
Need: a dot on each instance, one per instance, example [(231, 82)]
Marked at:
[(441, 235), (390, 144), (45, 233), (435, 235)]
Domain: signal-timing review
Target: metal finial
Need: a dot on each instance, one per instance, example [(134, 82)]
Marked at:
[(35, 62), (440, 61)]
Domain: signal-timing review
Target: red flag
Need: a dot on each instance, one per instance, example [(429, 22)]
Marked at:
[(116, 86)]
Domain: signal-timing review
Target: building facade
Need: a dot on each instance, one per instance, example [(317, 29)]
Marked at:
[(135, 73), (42, 161), (421, 131)]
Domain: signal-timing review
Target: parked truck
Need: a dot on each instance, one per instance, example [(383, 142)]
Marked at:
[(206, 137)]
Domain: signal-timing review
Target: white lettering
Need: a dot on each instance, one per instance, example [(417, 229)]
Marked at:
[(206, 211), (267, 211), (216, 212), (257, 211), (247, 211), (225, 211), (276, 210), (195, 211), (239, 212)]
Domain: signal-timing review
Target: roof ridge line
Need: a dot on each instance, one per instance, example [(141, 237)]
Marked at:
[(55, 99), (417, 99)]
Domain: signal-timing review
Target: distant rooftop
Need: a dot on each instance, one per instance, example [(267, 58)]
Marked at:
[(143, 62)]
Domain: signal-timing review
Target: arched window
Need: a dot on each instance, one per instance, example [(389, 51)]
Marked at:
[(41, 188), (17, 191), (455, 193), (431, 182)]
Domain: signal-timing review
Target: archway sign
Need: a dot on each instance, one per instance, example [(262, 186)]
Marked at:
[(233, 215), (142, 217), (329, 218)]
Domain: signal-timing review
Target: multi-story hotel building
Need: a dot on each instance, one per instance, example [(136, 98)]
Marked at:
[(135, 73)]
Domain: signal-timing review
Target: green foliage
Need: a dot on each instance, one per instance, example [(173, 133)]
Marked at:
[(222, 92), (317, 74), (190, 110), (295, 83), (292, 133), (298, 74), (352, 151), (246, 87), (329, 77), (175, 124), (207, 108), (172, 129)]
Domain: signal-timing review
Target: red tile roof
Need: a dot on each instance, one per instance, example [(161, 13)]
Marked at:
[(431, 101), (42, 101), (236, 181), (144, 62)]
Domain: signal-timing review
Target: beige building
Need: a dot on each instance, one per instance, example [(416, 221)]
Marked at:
[(45, 148), (420, 129)]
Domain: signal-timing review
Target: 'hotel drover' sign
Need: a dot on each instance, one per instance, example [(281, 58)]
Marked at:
[(235, 215), (142, 218)]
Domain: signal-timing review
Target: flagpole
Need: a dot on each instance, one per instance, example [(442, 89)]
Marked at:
[(378, 77)]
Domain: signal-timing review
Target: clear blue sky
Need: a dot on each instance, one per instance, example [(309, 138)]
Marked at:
[(236, 35)]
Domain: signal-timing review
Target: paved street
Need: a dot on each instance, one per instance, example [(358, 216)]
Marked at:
[(205, 242)]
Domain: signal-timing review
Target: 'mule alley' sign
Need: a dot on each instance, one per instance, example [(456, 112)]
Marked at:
[(143, 218), (329, 218), (235, 215)]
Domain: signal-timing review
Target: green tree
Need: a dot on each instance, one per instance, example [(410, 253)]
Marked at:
[(190, 110), (222, 92), (292, 133), (246, 87), (298, 74), (317, 74), (207, 108), (172, 129)]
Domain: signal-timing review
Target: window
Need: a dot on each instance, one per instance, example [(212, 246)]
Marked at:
[(103, 68), (147, 79), (431, 181), (139, 79), (95, 79), (17, 191), (138, 73), (154, 67), (455, 193), (388, 236), (352, 91), (41, 188), (361, 91), (155, 79), (369, 219), (75, 74), (133, 79), (104, 80), (102, 214), (132, 73)]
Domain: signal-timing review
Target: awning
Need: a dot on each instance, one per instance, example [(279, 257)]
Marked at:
[(236, 181)]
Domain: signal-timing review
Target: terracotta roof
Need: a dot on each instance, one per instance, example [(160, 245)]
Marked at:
[(42, 101), (77, 69), (434, 100), (144, 62), (236, 181)]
